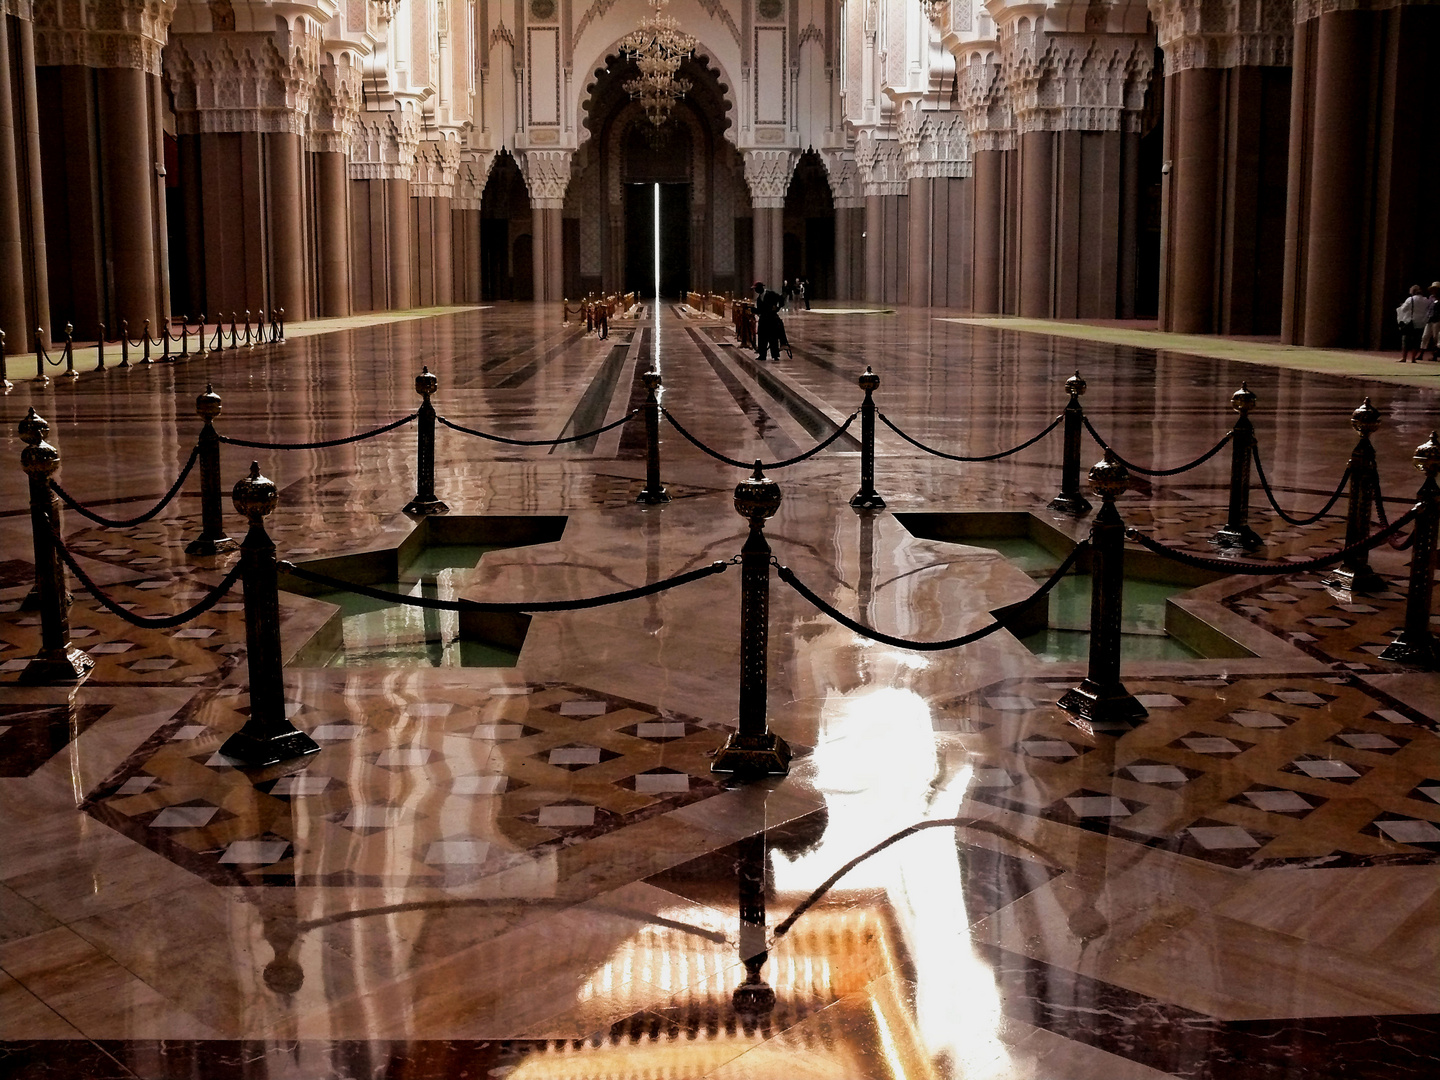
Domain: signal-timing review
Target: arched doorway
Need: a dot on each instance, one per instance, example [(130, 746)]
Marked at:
[(810, 227), (704, 202), (506, 234)]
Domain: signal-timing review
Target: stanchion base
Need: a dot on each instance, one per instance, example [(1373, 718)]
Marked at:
[(211, 545), (1364, 580), (867, 500), (753, 755), (1243, 537), (57, 666), (257, 752), (422, 507), (653, 498), (1102, 709), (1417, 649), (1075, 504), (753, 999)]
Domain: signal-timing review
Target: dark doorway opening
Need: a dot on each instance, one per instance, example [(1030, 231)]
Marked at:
[(674, 239), (506, 226), (810, 227)]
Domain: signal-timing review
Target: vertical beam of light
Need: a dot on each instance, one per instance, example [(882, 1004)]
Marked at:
[(657, 252)]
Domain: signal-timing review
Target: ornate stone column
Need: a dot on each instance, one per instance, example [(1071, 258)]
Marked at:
[(437, 161), (1362, 160), (1077, 97), (882, 179), (383, 158), (849, 223), (940, 204), (547, 174), (24, 284), (768, 172), (98, 67), (1227, 106), (990, 124), (334, 113), (242, 102)]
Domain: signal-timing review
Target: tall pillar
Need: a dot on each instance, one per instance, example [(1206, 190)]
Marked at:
[(444, 253), (472, 261), (25, 291), (768, 172), (1226, 127), (549, 249), (1037, 202), (127, 172), (287, 225), (332, 232), (14, 269), (874, 248), (398, 243), (920, 205), (989, 231), (1335, 259)]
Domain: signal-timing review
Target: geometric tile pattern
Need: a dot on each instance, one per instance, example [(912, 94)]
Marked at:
[(414, 793), (1351, 630), (1257, 771)]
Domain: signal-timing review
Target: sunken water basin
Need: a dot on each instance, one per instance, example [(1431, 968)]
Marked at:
[(1151, 626), (439, 559)]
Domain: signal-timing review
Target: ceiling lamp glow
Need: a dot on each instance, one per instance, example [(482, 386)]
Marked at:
[(658, 46)]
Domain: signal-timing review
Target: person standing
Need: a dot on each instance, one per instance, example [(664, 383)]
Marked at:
[(771, 328), (1411, 317), (1430, 338)]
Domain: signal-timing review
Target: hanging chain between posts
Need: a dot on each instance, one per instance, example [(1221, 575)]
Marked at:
[(481, 605), (1158, 472), (1229, 566), (324, 444), (1270, 495), (961, 457), (785, 574), (765, 465), (115, 523), (538, 442), (166, 622), (1379, 498)]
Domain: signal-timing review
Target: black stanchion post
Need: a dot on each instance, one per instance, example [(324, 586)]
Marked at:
[(70, 372), (1354, 572), (125, 343), (57, 660), (1237, 532), (100, 349), (1101, 702), (5, 384), (212, 539), (1416, 643), (425, 501), (280, 325), (268, 736), (1071, 500), (184, 335), (145, 357), (654, 492), (753, 749), (41, 379), (867, 498)]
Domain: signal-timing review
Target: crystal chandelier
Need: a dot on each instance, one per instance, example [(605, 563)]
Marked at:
[(658, 46)]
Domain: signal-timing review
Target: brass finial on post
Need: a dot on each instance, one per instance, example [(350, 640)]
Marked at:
[(212, 539), (1416, 643), (1101, 702), (753, 749), (268, 736), (1236, 531), (425, 500), (1354, 572), (654, 492), (1071, 500), (867, 498), (57, 660)]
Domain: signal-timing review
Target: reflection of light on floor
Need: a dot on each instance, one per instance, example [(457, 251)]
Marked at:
[(877, 766)]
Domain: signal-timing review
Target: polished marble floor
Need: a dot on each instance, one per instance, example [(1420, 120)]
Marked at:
[(530, 870)]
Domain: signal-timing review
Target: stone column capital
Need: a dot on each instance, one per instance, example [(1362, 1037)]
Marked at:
[(880, 162), (933, 144), (1224, 33), (547, 175), (243, 80), (101, 33), (1060, 81), (1305, 10), (437, 161), (844, 178), (335, 106), (984, 100), (768, 172), (384, 143)]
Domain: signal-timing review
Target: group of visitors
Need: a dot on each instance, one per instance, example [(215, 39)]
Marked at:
[(797, 293), (1419, 321)]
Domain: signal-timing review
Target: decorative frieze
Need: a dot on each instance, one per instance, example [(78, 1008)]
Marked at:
[(384, 144), (437, 160), (1074, 82), (881, 164), (934, 144), (844, 179), (102, 33), (985, 105), (335, 105), (1224, 33)]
